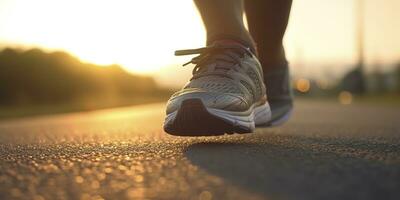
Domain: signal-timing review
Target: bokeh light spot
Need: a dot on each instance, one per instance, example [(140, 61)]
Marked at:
[(303, 85), (345, 98)]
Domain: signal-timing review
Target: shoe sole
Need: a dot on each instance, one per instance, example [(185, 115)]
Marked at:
[(278, 121), (194, 119), (281, 120)]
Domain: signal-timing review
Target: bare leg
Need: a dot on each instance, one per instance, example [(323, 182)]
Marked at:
[(267, 20), (223, 19)]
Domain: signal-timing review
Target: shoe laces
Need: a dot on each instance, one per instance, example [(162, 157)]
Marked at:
[(215, 59)]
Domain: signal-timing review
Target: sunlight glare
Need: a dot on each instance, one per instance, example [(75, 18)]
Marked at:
[(140, 36)]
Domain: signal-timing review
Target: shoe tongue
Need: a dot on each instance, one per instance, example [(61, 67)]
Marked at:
[(223, 65)]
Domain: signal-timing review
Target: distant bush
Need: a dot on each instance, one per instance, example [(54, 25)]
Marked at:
[(37, 77), (397, 71)]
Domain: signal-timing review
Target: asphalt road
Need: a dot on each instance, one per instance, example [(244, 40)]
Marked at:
[(327, 151)]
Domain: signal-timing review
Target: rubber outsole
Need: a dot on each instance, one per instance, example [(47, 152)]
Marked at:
[(281, 120), (193, 119), (278, 121)]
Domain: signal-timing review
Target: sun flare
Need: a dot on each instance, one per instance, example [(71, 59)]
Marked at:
[(141, 38), (142, 35)]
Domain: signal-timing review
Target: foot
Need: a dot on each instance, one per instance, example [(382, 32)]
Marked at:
[(279, 95), (225, 95)]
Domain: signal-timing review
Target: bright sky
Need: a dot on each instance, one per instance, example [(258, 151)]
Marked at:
[(142, 36)]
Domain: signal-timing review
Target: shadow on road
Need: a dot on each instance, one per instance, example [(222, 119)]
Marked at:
[(298, 167)]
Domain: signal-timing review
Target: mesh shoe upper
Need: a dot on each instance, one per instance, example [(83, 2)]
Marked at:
[(227, 76)]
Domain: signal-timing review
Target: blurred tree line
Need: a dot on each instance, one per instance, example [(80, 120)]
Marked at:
[(36, 77)]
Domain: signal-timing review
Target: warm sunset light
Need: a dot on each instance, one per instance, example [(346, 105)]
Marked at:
[(142, 36), (95, 105)]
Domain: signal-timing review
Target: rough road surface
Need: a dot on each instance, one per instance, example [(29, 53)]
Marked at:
[(327, 151)]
